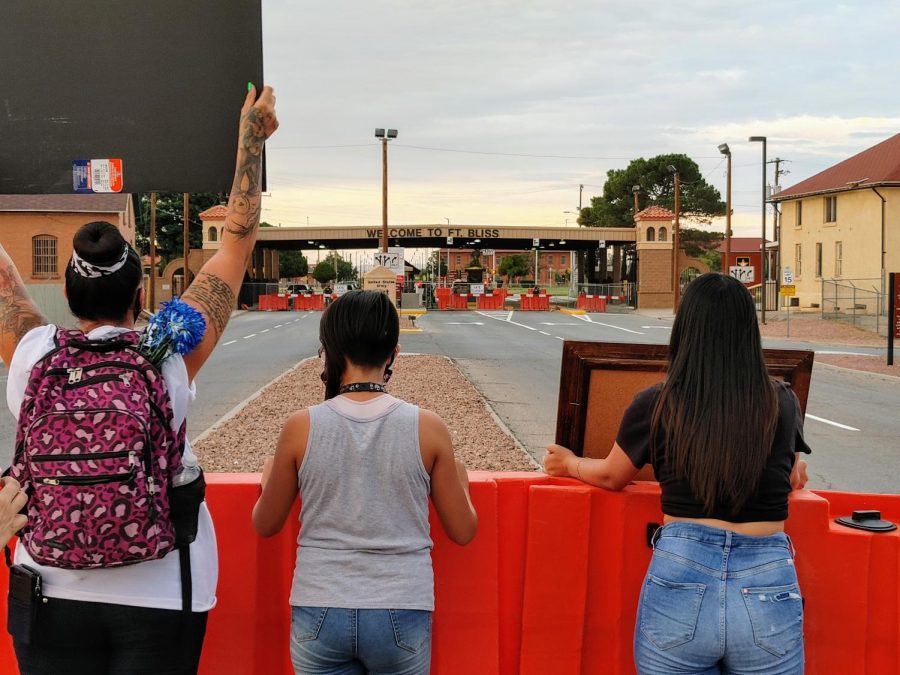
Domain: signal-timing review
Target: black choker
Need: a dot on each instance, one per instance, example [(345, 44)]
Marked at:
[(362, 386)]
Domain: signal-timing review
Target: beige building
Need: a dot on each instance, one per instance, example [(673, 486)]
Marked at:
[(37, 231), (843, 225)]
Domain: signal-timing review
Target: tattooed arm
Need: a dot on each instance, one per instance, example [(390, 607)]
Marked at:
[(18, 313), (214, 290)]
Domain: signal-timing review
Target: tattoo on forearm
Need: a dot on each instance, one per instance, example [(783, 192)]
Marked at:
[(244, 203), (18, 314), (214, 298)]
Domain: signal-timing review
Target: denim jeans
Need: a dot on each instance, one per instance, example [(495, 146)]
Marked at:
[(334, 641), (714, 601)]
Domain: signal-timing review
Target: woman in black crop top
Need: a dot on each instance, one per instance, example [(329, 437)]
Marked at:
[(721, 593)]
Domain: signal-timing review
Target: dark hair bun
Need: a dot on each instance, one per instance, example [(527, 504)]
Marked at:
[(99, 243)]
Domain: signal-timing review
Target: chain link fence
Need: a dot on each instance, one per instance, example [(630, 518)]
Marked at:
[(857, 301), (620, 297)]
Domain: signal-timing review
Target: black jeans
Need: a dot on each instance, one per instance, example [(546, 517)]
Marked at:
[(94, 638)]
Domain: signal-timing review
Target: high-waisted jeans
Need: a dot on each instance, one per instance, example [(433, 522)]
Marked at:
[(714, 601)]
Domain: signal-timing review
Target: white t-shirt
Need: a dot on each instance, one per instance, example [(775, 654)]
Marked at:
[(154, 583)]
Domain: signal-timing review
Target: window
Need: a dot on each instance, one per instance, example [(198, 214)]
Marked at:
[(838, 257), (830, 209), (212, 234), (458, 260), (651, 234), (550, 260), (799, 215), (798, 268), (818, 260), (43, 255), (663, 234), (564, 260)]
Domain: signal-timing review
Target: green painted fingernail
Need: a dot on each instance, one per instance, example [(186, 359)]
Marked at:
[(249, 86)]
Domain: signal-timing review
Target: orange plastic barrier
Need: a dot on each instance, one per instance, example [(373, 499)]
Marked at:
[(536, 303), (550, 584), (459, 301), (442, 294), (591, 303), (311, 302), (273, 302), (489, 301)]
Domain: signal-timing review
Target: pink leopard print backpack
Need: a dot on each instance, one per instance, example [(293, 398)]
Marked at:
[(96, 453)]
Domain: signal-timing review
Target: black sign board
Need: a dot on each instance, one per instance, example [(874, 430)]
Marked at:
[(157, 85)]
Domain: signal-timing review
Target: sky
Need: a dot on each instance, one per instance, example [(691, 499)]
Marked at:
[(504, 107)]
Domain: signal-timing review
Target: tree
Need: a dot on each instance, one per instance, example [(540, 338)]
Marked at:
[(515, 266), (325, 270), (702, 244), (170, 222), (292, 264), (436, 265), (700, 201)]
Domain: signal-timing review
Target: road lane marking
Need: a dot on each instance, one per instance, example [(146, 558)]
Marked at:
[(464, 323), (558, 338), (278, 326), (230, 342), (548, 323), (834, 424), (508, 321), (659, 327), (543, 332), (247, 337), (265, 330), (608, 325)]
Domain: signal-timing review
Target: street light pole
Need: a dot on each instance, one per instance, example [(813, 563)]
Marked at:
[(384, 137), (725, 150), (762, 243)]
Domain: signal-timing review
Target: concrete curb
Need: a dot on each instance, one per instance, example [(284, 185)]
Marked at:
[(870, 373), (243, 404)]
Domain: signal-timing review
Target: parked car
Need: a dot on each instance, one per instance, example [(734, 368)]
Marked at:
[(340, 289), (297, 289)]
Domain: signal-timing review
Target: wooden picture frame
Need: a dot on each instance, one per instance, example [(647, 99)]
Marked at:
[(598, 381)]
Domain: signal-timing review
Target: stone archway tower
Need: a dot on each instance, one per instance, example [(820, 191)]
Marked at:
[(654, 254)]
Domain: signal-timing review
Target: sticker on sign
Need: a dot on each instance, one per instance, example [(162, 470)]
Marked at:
[(744, 274), (787, 276)]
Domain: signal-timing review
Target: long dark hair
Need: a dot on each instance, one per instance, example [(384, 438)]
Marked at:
[(718, 409), (107, 297), (360, 326)]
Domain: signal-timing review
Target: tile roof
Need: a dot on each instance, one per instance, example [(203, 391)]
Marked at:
[(655, 212), (879, 165), (98, 203), (216, 212)]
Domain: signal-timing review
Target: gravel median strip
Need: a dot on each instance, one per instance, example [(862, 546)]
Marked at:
[(241, 442)]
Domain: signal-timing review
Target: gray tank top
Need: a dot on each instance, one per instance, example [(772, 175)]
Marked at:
[(364, 537)]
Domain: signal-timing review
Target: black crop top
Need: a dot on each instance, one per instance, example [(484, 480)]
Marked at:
[(768, 503)]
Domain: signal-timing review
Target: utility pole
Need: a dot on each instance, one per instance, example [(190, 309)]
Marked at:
[(776, 215)]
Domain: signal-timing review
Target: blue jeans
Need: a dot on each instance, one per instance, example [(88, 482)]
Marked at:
[(334, 641), (714, 601)]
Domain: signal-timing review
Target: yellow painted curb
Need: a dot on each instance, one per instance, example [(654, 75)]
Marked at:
[(573, 312), (412, 330), (417, 312)]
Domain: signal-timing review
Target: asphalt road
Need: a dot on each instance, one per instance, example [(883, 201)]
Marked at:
[(514, 358)]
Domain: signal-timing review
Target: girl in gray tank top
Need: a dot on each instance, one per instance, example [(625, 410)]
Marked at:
[(364, 464)]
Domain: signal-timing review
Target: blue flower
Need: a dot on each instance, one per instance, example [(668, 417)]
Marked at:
[(175, 328)]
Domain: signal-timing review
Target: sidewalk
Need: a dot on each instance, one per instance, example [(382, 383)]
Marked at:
[(811, 327)]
